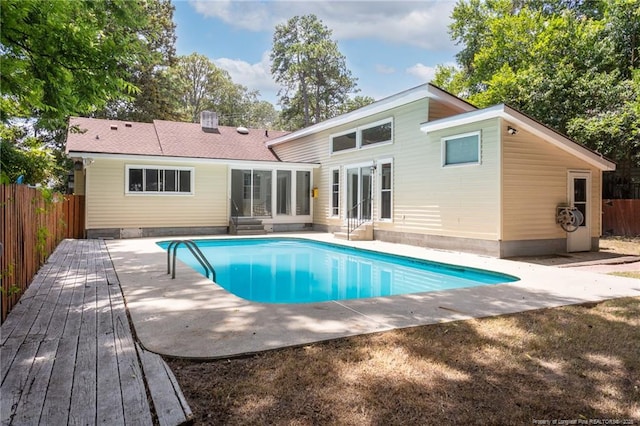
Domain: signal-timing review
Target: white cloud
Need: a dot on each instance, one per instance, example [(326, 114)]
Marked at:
[(418, 23), (254, 76), (423, 72)]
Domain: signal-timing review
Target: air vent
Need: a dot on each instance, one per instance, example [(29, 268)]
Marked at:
[(242, 130), (209, 121)]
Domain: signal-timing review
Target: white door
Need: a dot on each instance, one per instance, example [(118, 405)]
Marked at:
[(359, 193), (579, 188)]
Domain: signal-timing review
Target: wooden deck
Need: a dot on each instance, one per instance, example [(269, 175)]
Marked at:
[(68, 354)]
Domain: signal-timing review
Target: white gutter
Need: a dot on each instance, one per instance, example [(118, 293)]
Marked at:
[(198, 160)]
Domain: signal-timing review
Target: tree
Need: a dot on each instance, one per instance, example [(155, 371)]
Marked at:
[(312, 70), (155, 98), (199, 85), (60, 58), (568, 63)]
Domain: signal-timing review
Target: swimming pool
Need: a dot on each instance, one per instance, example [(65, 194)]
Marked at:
[(291, 270)]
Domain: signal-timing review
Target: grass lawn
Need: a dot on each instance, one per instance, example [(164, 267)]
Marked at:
[(570, 363)]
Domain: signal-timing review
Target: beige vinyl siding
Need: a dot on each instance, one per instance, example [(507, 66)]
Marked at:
[(427, 198), (317, 148), (459, 201), (109, 207), (535, 182)]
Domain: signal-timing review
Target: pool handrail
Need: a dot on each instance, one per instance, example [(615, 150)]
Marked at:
[(355, 220), (193, 248)]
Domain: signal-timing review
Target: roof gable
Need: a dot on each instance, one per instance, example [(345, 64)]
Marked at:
[(535, 127)]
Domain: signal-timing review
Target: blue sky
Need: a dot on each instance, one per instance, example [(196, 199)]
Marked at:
[(390, 45)]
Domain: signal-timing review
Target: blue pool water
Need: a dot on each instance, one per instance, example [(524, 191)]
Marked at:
[(289, 270)]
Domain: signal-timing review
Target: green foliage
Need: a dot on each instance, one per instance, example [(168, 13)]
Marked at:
[(62, 58), (155, 99), (22, 155), (199, 85), (307, 62)]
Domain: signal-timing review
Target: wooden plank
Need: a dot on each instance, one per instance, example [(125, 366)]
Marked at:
[(83, 393), (57, 403), (134, 396), (170, 405), (33, 395), (15, 382), (109, 403)]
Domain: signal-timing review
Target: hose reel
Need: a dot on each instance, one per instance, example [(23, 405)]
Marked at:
[(569, 218)]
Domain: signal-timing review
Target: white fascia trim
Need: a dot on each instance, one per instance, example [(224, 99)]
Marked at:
[(164, 159), (532, 126), (402, 98)]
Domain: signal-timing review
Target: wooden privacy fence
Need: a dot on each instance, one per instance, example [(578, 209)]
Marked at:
[(621, 217), (33, 222)]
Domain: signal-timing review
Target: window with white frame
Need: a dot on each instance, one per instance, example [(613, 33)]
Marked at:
[(159, 180), (461, 149), (343, 142), (380, 132), (386, 188), (335, 192)]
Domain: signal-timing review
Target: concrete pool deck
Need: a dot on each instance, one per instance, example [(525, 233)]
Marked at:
[(191, 317)]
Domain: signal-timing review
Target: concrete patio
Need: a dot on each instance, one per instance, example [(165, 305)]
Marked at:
[(192, 317)]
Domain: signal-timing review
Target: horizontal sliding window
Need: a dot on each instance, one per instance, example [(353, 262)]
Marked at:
[(461, 149), (154, 180)]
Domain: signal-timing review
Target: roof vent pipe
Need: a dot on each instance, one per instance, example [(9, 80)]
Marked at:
[(209, 121)]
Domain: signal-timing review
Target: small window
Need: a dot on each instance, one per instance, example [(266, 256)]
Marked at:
[(342, 142), (376, 134), (385, 191), (142, 179), (335, 192), (462, 149)]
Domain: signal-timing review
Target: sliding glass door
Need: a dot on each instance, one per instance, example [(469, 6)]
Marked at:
[(251, 192)]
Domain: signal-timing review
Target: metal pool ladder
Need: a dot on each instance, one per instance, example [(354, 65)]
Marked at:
[(193, 248)]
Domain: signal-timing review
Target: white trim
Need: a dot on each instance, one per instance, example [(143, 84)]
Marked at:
[(399, 99), (173, 160), (128, 167), (331, 172), (358, 142), (379, 164), (581, 174), (526, 123), (443, 149)]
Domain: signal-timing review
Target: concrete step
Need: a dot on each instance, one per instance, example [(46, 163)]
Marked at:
[(363, 233)]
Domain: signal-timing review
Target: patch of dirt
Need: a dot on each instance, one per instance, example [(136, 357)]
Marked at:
[(573, 362)]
